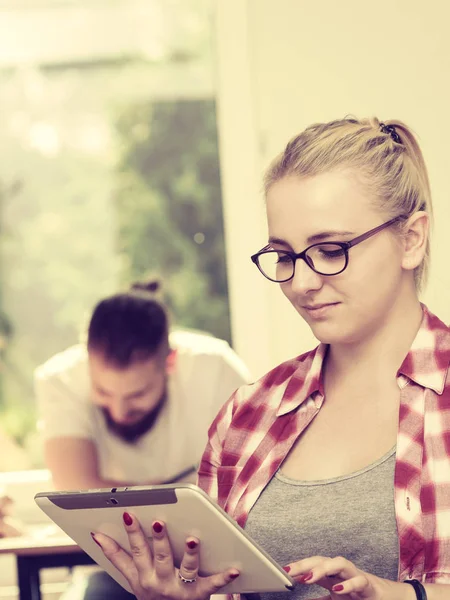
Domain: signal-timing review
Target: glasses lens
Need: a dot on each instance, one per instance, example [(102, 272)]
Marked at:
[(327, 259), (276, 266)]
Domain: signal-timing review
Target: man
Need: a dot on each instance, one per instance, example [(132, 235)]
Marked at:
[(134, 404)]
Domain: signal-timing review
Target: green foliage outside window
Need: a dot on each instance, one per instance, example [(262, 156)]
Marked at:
[(169, 208)]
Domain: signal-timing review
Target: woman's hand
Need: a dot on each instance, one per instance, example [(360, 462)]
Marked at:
[(344, 580), (152, 575)]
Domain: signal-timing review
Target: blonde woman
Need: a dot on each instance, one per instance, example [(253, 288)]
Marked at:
[(338, 461)]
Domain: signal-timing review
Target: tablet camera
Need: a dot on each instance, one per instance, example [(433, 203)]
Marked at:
[(114, 501)]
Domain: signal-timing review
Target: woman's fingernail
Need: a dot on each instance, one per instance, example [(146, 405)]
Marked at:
[(338, 587), (287, 568), (192, 544), (157, 527), (306, 577), (127, 519), (234, 575), (95, 540)]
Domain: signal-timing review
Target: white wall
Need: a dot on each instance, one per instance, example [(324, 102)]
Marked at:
[(283, 64)]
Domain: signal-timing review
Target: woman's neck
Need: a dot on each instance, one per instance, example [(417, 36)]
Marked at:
[(379, 355)]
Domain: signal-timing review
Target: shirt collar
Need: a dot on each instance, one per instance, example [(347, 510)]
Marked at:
[(427, 362), (306, 380)]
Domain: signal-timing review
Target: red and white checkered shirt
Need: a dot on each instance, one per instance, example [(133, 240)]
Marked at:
[(254, 431)]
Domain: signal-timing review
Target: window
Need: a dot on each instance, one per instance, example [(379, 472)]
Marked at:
[(109, 173)]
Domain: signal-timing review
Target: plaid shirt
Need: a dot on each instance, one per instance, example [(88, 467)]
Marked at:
[(254, 431)]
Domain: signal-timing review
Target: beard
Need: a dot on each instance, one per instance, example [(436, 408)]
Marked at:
[(130, 433)]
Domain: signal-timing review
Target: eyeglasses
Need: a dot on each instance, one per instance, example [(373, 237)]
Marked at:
[(325, 258)]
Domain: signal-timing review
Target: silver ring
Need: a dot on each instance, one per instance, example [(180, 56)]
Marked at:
[(184, 580)]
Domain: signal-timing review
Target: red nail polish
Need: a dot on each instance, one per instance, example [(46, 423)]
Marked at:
[(192, 544), (234, 575), (306, 577), (338, 587), (157, 527), (96, 541), (287, 569), (127, 519)]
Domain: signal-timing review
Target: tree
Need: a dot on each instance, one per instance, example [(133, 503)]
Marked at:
[(169, 207)]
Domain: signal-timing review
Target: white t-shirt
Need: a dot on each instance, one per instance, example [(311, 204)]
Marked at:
[(207, 371)]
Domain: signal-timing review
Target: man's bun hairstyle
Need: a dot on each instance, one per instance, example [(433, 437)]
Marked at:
[(130, 326), (152, 286)]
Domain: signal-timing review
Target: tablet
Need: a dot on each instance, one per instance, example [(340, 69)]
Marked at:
[(187, 511)]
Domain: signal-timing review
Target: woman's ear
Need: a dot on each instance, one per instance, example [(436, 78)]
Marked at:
[(415, 236)]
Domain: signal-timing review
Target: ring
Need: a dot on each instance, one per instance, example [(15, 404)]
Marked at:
[(184, 580)]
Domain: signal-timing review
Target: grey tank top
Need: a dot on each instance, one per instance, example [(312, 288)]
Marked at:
[(351, 516)]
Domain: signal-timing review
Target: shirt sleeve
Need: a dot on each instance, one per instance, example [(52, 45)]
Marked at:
[(62, 411), (211, 460)]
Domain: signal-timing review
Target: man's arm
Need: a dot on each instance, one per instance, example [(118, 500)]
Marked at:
[(73, 463), (66, 423)]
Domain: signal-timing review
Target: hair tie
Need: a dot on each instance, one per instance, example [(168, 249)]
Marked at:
[(148, 290), (390, 130)]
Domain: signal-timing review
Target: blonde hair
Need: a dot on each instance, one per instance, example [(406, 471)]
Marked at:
[(386, 156)]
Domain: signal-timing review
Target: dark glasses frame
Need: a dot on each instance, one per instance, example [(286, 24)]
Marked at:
[(303, 255)]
